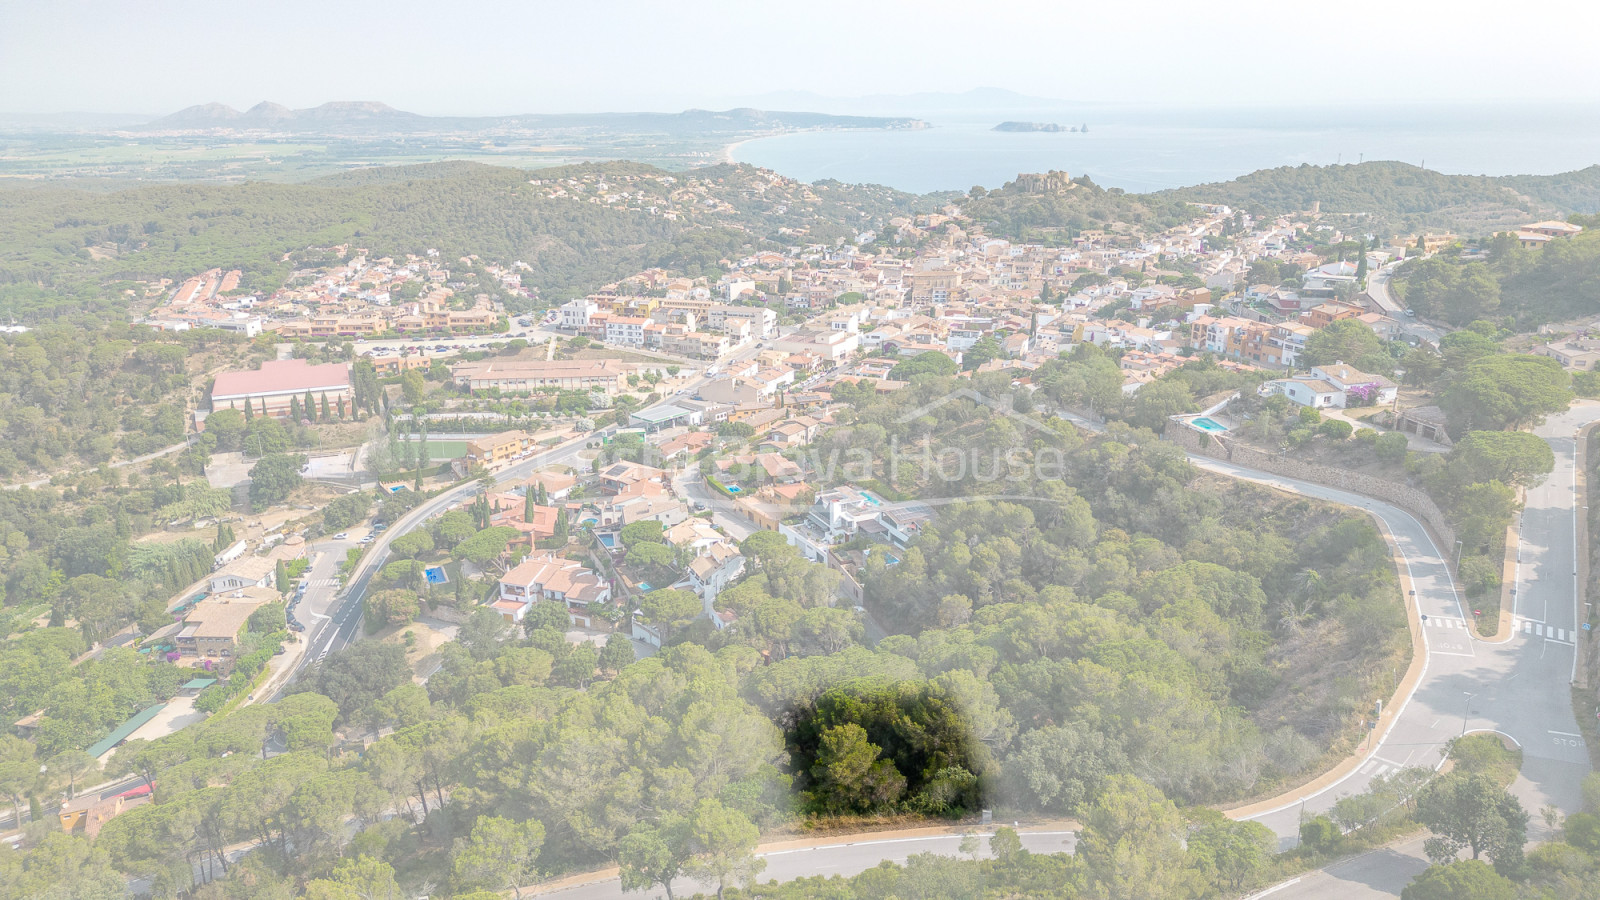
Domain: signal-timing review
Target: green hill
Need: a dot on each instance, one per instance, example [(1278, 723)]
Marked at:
[(1393, 196)]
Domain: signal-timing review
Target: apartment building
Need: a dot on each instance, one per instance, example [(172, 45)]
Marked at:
[(606, 375)]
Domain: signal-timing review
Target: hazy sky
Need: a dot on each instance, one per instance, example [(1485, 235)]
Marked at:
[(475, 57)]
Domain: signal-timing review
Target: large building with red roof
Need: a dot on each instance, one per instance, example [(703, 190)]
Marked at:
[(269, 388)]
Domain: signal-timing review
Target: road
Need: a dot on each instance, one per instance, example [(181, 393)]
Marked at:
[(1378, 290), (1518, 688), (119, 464), (844, 858), (1379, 873), (333, 618)]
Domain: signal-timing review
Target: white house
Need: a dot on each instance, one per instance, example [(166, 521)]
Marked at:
[(1312, 392), (710, 573), (1358, 386), (251, 571)]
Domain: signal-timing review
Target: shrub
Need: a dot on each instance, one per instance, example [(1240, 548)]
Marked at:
[(1319, 833), (1390, 446), (1335, 429)]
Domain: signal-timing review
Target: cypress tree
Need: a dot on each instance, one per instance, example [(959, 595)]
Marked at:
[(249, 410), (325, 417), (294, 408)]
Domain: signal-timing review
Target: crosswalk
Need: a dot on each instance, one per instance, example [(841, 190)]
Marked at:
[(321, 583), (1539, 629), (1525, 626), (1378, 767)]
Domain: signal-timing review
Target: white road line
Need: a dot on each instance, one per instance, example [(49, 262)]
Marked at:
[(1539, 630), (1274, 889), (1566, 734), (1527, 628)]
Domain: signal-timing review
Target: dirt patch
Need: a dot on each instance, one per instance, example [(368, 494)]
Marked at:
[(427, 636)]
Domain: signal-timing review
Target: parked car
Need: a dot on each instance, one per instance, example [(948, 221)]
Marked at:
[(342, 536)]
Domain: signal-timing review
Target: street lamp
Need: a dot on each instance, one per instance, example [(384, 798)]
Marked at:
[(1467, 712)]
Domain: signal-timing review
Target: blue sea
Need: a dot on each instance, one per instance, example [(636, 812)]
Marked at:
[(1149, 148)]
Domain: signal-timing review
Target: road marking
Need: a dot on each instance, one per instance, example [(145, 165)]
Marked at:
[(1538, 629), (1566, 734), (1527, 628), (1274, 889)]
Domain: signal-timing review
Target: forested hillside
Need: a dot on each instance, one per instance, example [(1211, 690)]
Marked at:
[(1572, 191), (65, 249), (1558, 281), (1391, 196), (1057, 214)]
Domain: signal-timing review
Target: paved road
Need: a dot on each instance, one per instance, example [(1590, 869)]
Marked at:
[(1376, 874), (1378, 290), (333, 618), (843, 859), (1518, 688)]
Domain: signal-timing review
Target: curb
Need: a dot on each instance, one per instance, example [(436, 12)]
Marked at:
[(1509, 569), (1396, 702)]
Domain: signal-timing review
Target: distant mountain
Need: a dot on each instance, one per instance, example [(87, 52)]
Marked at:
[(369, 117), (277, 117)]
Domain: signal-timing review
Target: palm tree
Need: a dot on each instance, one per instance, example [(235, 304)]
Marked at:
[(1306, 592)]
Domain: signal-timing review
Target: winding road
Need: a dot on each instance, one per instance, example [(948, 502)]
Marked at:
[(1518, 687), (333, 617)]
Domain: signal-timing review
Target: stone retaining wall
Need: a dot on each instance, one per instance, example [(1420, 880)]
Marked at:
[(1412, 500)]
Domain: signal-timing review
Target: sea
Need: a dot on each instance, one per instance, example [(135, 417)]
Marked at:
[(1149, 148)]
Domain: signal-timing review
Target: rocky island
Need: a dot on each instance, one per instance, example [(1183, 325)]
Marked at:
[(1038, 126)]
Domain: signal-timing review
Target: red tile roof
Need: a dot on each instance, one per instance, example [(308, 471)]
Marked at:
[(283, 375)]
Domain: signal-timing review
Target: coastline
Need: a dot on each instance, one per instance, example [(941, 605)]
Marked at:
[(727, 152)]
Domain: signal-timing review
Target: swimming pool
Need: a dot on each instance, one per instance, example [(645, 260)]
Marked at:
[(435, 575), (734, 489), (608, 540), (1211, 425)]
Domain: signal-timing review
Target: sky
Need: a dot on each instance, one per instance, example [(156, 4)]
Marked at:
[(475, 57)]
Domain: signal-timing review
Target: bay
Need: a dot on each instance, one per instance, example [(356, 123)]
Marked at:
[(1150, 148)]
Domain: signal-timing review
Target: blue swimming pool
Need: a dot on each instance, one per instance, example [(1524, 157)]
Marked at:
[(435, 575), (609, 541), (734, 489), (1211, 425), (645, 586)]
